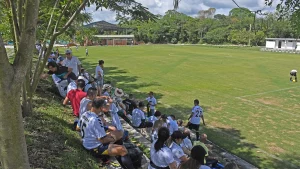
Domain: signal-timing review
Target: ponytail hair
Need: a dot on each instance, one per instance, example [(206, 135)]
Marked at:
[(163, 136)]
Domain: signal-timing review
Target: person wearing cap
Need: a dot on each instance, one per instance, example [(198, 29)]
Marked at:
[(178, 154), (72, 62), (138, 117), (75, 96), (197, 159), (195, 118), (94, 137), (99, 75), (106, 90), (51, 57), (161, 156), (162, 122), (60, 60), (151, 104), (155, 117)]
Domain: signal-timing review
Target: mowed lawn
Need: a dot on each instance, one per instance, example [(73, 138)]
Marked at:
[(251, 108)]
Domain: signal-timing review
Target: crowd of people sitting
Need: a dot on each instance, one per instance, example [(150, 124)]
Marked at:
[(98, 106)]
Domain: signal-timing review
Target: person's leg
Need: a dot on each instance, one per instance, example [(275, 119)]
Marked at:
[(296, 77), (197, 132), (121, 114), (190, 126), (119, 150)]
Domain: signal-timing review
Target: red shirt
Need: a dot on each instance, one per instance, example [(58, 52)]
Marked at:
[(75, 96)]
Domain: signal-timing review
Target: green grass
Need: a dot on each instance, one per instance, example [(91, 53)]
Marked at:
[(50, 141), (262, 128)]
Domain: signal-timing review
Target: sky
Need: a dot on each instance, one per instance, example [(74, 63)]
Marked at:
[(189, 7)]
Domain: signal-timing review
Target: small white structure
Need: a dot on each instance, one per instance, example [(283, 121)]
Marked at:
[(282, 44)]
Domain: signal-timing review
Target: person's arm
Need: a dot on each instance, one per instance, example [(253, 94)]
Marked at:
[(202, 117), (191, 116), (183, 158), (66, 101), (155, 103), (173, 165), (69, 72), (89, 106), (107, 139)]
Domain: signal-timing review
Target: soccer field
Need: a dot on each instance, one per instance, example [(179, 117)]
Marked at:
[(251, 108)]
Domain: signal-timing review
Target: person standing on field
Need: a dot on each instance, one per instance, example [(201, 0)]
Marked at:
[(99, 73), (86, 52), (195, 118), (151, 104)]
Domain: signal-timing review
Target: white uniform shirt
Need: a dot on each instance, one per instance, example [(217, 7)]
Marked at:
[(152, 102), (177, 152), (294, 71), (71, 86), (161, 158), (115, 117), (173, 125), (152, 119), (197, 113), (137, 117), (91, 130), (204, 167), (98, 69), (187, 143), (83, 105), (73, 63)]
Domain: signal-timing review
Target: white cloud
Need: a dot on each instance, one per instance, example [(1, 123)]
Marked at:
[(189, 7)]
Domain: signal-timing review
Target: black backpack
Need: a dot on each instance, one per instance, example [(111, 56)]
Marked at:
[(135, 154)]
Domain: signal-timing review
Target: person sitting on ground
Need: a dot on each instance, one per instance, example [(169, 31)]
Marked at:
[(130, 104), (84, 73), (94, 137), (75, 96), (86, 103), (231, 165), (162, 122), (72, 62), (106, 90), (186, 144), (138, 117), (210, 161), (118, 93), (180, 125), (178, 154), (172, 124), (293, 73), (161, 155), (151, 104), (72, 85), (60, 71), (196, 160), (195, 118), (156, 116), (60, 60)]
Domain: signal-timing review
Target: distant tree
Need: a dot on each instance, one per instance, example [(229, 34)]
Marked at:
[(210, 13), (220, 17), (241, 13)]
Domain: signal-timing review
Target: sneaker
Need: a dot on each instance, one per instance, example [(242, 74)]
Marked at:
[(75, 125)]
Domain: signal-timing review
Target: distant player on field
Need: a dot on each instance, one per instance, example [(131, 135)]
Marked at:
[(195, 118), (293, 73)]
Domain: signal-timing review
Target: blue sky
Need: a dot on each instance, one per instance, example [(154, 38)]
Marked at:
[(189, 7)]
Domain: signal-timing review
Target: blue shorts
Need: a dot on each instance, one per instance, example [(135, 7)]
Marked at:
[(100, 150)]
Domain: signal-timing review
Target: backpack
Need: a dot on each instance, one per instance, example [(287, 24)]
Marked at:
[(135, 154)]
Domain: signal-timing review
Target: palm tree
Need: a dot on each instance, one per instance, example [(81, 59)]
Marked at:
[(176, 3)]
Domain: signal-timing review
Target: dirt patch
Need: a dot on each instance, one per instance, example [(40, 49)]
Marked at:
[(275, 149), (269, 101)]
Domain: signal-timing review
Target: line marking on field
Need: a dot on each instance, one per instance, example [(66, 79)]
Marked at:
[(260, 104), (236, 138), (273, 91)]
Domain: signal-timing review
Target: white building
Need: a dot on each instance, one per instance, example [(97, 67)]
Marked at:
[(282, 44)]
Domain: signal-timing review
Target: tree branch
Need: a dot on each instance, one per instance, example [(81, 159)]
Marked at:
[(27, 41), (5, 67), (50, 21), (15, 21), (62, 14), (20, 10), (70, 21)]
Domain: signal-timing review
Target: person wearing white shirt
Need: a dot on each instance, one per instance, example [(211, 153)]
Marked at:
[(138, 117), (196, 160), (161, 122), (99, 75), (186, 144), (151, 104), (155, 117), (161, 155), (72, 62), (94, 137), (195, 118), (173, 126), (86, 103), (178, 154), (293, 73)]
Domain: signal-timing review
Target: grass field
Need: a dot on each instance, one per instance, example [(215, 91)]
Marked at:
[(251, 107)]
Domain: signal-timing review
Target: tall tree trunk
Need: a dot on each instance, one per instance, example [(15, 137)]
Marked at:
[(13, 152)]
